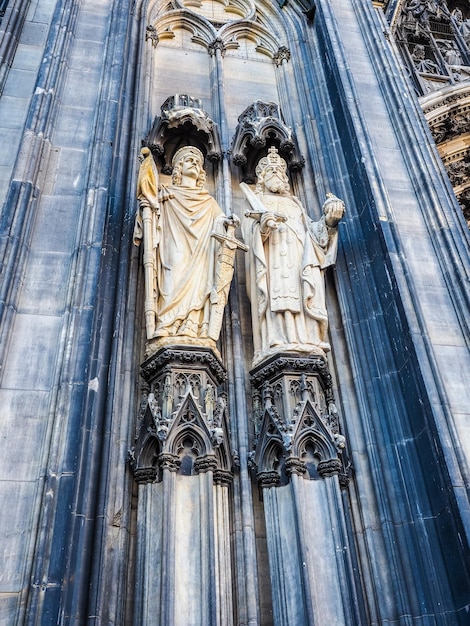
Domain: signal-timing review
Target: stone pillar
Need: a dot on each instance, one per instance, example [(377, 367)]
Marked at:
[(298, 468), (182, 460)]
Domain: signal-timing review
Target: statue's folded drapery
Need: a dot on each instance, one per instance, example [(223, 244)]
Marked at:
[(189, 252), (285, 276), (185, 260), (288, 253)]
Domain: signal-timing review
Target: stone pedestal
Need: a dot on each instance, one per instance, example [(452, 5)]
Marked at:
[(297, 459), (182, 460)]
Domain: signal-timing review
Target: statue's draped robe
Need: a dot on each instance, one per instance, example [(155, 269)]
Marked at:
[(284, 278), (185, 260)]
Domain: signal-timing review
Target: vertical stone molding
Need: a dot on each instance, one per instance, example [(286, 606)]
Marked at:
[(182, 459), (297, 460)]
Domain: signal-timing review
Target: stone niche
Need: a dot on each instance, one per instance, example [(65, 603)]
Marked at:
[(182, 122)]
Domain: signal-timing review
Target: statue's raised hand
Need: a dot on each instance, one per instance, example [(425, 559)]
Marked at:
[(333, 210)]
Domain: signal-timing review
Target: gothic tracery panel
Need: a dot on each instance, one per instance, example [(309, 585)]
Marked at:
[(434, 40)]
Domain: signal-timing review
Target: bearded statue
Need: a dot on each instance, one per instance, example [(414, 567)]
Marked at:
[(288, 255)]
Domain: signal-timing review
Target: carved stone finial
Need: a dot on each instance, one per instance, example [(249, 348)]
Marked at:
[(151, 33), (282, 54), (215, 45)]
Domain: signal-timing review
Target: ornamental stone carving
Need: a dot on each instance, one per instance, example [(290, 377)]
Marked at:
[(288, 253), (189, 249), (297, 426), (433, 44), (151, 35), (215, 45), (259, 124), (183, 120), (448, 116), (283, 54), (421, 63), (434, 39), (183, 424)]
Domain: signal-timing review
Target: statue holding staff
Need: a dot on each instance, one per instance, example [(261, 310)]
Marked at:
[(185, 233)]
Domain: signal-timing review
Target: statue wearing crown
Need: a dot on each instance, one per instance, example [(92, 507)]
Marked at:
[(288, 255), (188, 248)]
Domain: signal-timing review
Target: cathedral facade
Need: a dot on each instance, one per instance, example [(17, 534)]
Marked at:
[(234, 339)]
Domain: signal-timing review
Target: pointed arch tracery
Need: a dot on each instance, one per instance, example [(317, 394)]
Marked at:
[(219, 11), (201, 31), (247, 23), (320, 442), (266, 42)]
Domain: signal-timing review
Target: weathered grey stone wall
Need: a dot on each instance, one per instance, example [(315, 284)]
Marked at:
[(64, 93), (24, 32), (80, 87), (400, 286)]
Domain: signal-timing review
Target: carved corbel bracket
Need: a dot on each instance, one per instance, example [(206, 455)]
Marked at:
[(296, 421), (260, 126), (216, 44), (183, 122), (282, 54), (183, 423)]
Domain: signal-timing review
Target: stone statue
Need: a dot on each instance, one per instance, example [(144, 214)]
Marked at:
[(420, 61), (451, 53), (187, 241), (465, 30), (288, 253)]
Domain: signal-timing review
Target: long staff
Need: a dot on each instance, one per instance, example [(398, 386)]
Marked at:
[(147, 194)]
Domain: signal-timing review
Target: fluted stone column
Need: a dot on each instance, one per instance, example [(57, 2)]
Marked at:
[(298, 462), (182, 459)]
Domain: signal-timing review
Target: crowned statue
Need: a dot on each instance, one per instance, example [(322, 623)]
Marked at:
[(288, 255), (189, 248)]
